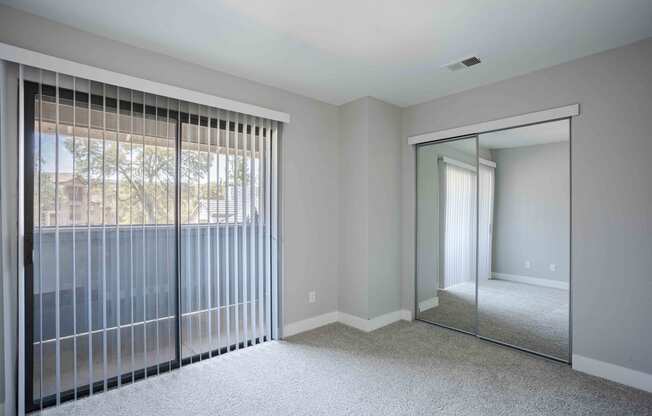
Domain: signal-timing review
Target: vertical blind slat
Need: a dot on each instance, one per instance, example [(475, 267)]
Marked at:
[(236, 244), (157, 267), (144, 240), (74, 245), (195, 278), (268, 246), (209, 306), (40, 242), (215, 276), (117, 243), (218, 234), (252, 230), (131, 237), (243, 207), (104, 297), (169, 219), (57, 247), (261, 218), (227, 233), (252, 224), (274, 225), (91, 373)]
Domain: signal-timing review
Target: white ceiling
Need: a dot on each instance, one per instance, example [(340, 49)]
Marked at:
[(340, 50), (552, 132)]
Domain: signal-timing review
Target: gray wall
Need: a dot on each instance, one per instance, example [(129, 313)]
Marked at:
[(384, 204), (309, 146), (353, 227), (369, 284), (612, 196), (532, 211)]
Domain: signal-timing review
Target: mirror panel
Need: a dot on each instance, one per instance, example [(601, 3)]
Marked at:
[(446, 233), (524, 238)]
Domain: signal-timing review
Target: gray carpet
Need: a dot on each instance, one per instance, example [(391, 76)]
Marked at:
[(402, 369), (532, 317)]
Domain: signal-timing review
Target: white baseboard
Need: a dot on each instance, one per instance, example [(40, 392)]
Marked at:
[(308, 324), (537, 281), (424, 305), (368, 325), (352, 321), (365, 325), (622, 375), (406, 315)]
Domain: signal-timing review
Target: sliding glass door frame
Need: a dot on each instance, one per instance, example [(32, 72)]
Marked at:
[(271, 204), (570, 280)]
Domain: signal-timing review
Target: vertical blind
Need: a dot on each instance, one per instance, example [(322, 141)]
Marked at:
[(459, 185), (148, 228)]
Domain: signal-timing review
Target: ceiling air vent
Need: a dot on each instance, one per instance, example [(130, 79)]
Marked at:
[(463, 63), (474, 60)]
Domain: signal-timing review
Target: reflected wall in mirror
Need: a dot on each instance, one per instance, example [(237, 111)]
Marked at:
[(524, 238), (446, 233)]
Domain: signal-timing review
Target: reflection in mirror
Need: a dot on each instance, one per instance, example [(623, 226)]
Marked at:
[(446, 233), (524, 238)]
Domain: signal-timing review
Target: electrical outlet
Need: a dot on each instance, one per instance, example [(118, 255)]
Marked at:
[(527, 264), (312, 297), (553, 267)]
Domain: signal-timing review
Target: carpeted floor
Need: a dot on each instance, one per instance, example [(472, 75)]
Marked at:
[(532, 317), (402, 369)]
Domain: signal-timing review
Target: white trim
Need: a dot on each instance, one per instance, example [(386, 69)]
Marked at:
[(353, 321), (368, 325), (424, 305), (51, 63), (486, 162), (309, 324), (613, 372), (406, 315), (457, 163), (500, 124), (365, 325), (536, 281), (465, 165)]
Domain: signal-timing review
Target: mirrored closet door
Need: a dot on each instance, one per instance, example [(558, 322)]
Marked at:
[(524, 238), (446, 233), (493, 236)]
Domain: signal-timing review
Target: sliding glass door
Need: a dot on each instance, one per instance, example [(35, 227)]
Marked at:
[(148, 234)]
